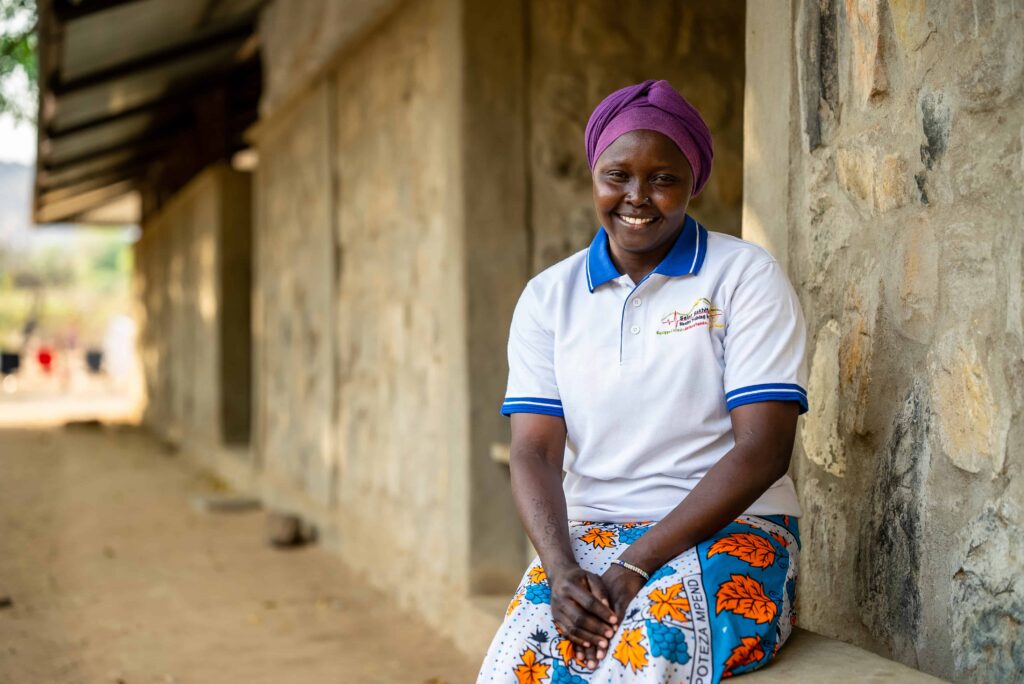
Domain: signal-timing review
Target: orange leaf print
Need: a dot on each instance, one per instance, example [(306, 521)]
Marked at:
[(749, 547), (531, 672), (779, 538), (669, 602), (537, 575), (516, 600), (598, 538), (566, 650), (745, 596), (749, 651), (630, 651)]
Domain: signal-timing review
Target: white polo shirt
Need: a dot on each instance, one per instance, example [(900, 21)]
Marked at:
[(645, 374)]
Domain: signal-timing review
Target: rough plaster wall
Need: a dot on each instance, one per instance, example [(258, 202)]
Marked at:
[(907, 249), (581, 51), (301, 36), (293, 288), (400, 313), (180, 291)]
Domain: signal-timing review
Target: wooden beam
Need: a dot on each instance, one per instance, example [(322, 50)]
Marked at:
[(175, 99), (129, 167), (154, 60), (51, 179), (157, 130), (165, 137), (69, 10), (49, 196), (68, 209)]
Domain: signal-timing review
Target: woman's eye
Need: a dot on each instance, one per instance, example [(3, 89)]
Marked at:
[(664, 180), (616, 175)]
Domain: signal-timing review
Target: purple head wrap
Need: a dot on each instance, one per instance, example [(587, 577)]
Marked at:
[(655, 106)]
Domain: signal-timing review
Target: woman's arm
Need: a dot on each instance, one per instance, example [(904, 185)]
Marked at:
[(764, 435), (579, 602)]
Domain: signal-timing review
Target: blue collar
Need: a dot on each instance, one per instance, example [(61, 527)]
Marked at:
[(685, 257)]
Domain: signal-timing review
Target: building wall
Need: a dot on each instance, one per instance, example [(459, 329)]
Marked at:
[(293, 306), (578, 52), (400, 309), (903, 203), (179, 282), (362, 397)]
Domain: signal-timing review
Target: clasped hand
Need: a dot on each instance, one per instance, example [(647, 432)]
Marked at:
[(588, 608)]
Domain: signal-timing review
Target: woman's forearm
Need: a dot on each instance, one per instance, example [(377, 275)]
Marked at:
[(728, 489), (537, 489), (764, 442)]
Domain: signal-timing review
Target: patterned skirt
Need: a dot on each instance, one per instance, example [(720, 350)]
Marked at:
[(719, 609)]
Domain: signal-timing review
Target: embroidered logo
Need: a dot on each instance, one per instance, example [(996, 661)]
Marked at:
[(702, 314)]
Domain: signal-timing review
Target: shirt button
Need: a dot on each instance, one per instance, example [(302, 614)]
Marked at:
[(637, 302), (635, 330)]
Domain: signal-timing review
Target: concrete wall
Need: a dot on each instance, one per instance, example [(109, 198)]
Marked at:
[(186, 253), (903, 204), (363, 393), (578, 52), (401, 381), (293, 342)]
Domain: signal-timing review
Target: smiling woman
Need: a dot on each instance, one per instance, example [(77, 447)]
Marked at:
[(668, 552), (642, 185)]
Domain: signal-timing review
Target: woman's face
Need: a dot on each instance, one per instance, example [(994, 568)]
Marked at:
[(642, 185)]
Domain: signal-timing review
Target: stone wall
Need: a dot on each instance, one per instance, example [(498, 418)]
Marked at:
[(905, 245), (578, 52), (179, 281)]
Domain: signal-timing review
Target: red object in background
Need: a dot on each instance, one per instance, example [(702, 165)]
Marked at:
[(45, 358)]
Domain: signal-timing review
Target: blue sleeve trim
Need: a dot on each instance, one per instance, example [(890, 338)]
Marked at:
[(548, 407), (777, 391)]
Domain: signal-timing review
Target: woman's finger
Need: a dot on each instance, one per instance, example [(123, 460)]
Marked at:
[(599, 613), (588, 630), (590, 658), (602, 606)]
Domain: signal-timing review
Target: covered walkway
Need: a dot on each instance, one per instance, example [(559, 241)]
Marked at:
[(108, 573)]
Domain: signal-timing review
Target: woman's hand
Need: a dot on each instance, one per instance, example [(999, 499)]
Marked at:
[(622, 585), (582, 611)]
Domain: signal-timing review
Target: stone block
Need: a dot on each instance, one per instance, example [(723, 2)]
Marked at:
[(910, 23), (870, 80), (892, 184), (988, 634), (855, 168), (989, 65), (892, 532), (856, 348), (972, 426), (913, 294), (820, 429), (875, 181)]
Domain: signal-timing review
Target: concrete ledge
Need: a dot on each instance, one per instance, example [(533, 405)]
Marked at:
[(809, 658)]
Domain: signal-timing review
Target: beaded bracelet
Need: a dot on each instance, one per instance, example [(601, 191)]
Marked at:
[(630, 566)]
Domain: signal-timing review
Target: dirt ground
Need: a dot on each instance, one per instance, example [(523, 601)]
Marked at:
[(113, 577)]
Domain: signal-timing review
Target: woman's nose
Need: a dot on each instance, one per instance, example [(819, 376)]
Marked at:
[(636, 194)]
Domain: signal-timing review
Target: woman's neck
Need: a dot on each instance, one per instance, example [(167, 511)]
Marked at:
[(638, 265)]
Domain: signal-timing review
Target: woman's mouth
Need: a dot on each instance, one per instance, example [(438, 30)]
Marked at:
[(637, 220)]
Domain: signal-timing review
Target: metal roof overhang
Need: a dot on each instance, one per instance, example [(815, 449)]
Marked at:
[(119, 82)]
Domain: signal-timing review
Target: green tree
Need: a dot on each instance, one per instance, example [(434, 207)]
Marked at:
[(18, 65)]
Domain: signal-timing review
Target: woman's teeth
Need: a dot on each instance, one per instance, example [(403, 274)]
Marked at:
[(636, 221)]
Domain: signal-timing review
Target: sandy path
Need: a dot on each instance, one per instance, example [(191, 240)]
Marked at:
[(114, 578)]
